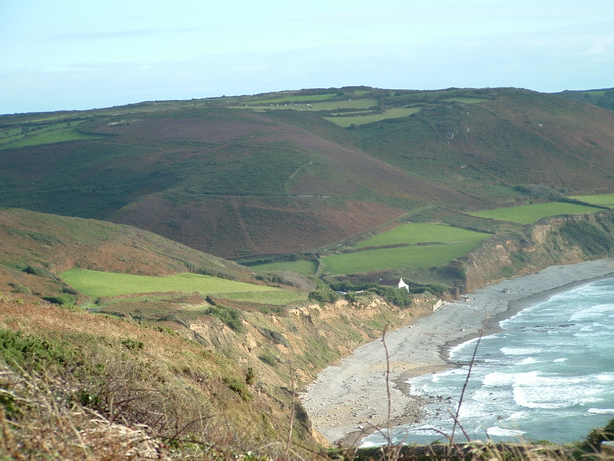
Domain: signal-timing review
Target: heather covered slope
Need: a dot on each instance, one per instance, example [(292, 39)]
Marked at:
[(292, 171), (511, 137)]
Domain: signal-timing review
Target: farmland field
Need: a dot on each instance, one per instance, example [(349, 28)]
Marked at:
[(422, 256), (601, 200), (528, 214), (364, 119), (465, 100), (289, 103), (414, 233), (300, 267), (59, 132), (107, 284)]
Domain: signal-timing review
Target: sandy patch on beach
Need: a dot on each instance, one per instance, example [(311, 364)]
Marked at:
[(349, 401)]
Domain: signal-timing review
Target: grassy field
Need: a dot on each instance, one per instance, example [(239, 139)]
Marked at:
[(397, 112), (601, 200), (108, 284), (415, 233), (324, 105), (422, 256), (465, 100), (300, 267), (527, 214), (57, 132), (291, 99)]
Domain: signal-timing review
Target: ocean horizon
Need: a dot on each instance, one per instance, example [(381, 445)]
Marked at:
[(547, 375)]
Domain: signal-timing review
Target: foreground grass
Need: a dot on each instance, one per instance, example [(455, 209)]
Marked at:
[(83, 387), (79, 386), (528, 214), (107, 284)]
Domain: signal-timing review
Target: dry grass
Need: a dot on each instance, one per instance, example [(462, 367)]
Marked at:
[(84, 387), (79, 386)]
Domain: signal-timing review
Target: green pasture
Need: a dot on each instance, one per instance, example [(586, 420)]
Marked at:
[(415, 233), (465, 100), (528, 214), (60, 132), (293, 99), (601, 200), (300, 267), (108, 284), (417, 256), (362, 103), (353, 104), (398, 112)]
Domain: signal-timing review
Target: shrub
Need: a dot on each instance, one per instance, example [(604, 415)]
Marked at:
[(398, 296), (17, 288), (62, 299), (132, 345), (230, 316), (268, 358), (323, 294), (238, 386), (598, 435), (33, 353)]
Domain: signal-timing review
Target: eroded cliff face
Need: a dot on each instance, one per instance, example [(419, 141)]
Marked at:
[(285, 351), (551, 241)]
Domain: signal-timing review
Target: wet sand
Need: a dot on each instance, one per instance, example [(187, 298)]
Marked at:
[(349, 401)]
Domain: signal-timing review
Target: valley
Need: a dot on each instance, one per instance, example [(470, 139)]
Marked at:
[(212, 256)]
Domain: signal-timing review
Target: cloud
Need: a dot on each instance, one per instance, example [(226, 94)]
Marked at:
[(546, 60)]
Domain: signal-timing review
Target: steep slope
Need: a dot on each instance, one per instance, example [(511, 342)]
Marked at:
[(510, 137)]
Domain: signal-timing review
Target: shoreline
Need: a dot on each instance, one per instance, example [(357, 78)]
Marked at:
[(349, 401)]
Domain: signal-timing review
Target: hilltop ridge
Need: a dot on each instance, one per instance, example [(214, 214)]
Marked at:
[(292, 171)]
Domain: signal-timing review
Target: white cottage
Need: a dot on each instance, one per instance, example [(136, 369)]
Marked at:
[(402, 284)]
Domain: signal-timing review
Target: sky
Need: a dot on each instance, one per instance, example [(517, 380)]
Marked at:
[(74, 55)]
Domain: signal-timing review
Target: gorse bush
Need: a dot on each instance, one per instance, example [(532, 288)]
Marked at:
[(598, 435), (323, 294), (229, 315), (397, 296), (34, 353)]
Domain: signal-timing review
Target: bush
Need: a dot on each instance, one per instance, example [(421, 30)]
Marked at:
[(398, 296), (269, 358), (33, 353), (323, 294), (17, 288), (230, 316), (598, 435), (63, 299), (238, 386)]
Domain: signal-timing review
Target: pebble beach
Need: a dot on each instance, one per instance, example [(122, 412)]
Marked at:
[(349, 401)]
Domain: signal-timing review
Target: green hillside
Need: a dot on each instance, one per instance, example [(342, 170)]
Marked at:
[(288, 172)]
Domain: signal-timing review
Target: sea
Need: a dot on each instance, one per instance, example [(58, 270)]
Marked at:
[(548, 375)]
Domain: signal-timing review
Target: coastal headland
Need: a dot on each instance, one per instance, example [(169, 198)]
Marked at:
[(349, 401)]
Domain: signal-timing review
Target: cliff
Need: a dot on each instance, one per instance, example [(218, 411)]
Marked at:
[(563, 239)]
